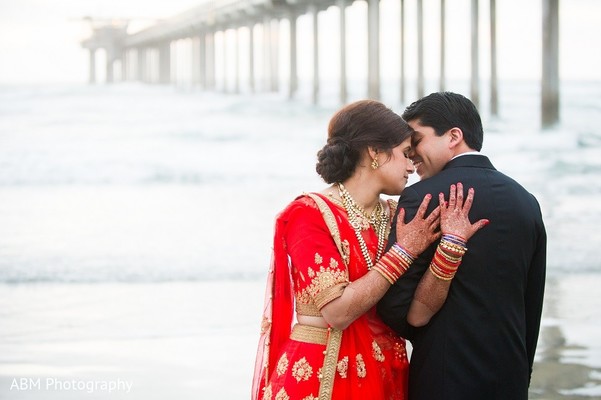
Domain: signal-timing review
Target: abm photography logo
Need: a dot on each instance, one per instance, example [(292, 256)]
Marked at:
[(70, 385)]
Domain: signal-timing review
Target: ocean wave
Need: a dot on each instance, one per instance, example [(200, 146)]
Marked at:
[(134, 183)]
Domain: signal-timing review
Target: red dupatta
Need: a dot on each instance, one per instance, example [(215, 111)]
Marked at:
[(281, 298)]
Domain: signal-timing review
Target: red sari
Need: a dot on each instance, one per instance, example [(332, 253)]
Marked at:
[(315, 256)]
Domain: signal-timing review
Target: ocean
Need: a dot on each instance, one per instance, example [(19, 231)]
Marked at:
[(111, 195)]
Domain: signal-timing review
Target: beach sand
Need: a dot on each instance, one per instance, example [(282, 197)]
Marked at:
[(197, 340)]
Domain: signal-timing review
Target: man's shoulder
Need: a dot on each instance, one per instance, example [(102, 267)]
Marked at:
[(440, 180)]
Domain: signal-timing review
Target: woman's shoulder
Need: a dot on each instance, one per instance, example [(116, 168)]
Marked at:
[(303, 203), (307, 204)]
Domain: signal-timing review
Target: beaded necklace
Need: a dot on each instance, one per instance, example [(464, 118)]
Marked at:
[(359, 220)]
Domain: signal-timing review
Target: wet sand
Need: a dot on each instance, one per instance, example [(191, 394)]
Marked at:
[(568, 359), (197, 340)]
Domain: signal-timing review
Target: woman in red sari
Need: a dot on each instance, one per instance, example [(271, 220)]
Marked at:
[(320, 336)]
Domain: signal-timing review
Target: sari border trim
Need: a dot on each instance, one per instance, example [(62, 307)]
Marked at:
[(332, 293), (330, 220), (330, 361)]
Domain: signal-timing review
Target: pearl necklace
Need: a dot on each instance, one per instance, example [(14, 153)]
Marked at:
[(359, 220)]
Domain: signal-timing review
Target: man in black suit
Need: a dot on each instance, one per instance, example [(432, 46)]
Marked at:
[(481, 343)]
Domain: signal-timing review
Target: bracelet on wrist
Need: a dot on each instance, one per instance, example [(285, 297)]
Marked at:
[(394, 263)]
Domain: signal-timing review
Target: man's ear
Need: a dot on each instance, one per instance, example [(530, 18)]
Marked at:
[(456, 137)]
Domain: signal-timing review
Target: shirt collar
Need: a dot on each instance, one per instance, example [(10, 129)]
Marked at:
[(468, 153)]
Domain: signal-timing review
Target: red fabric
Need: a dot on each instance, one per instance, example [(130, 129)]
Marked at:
[(306, 263)]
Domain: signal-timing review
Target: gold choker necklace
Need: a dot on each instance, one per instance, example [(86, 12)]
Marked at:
[(360, 221)]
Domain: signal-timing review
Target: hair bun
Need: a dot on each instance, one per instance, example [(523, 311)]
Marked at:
[(336, 161)]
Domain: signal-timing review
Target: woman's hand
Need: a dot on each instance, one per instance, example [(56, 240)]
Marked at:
[(420, 232), (454, 214)]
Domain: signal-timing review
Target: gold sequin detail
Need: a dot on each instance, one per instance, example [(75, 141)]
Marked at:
[(343, 366), (282, 395), (267, 395), (310, 397), (377, 352), (361, 372), (318, 259), (301, 370), (321, 280), (282, 365)]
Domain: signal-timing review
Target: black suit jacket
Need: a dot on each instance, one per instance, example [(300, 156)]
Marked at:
[(481, 344)]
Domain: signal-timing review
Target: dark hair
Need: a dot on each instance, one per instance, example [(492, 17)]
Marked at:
[(445, 110), (354, 128)]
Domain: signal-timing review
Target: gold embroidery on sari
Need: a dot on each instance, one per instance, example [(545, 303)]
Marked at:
[(377, 352), (361, 372), (310, 397), (267, 395), (302, 370), (307, 309), (329, 364), (324, 286), (328, 371), (265, 325), (327, 277), (325, 296), (318, 259), (282, 395), (330, 220), (309, 334), (282, 365), (343, 366)]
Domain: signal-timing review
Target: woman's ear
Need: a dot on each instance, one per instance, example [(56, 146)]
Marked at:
[(373, 152)]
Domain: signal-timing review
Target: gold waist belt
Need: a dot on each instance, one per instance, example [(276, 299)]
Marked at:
[(309, 334)]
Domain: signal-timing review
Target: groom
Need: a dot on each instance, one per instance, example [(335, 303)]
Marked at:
[(481, 343)]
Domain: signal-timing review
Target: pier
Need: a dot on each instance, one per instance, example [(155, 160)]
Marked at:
[(185, 47)]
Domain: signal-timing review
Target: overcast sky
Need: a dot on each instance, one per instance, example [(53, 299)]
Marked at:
[(39, 39)]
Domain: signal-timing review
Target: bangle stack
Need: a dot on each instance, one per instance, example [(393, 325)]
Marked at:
[(394, 263), (448, 256)]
